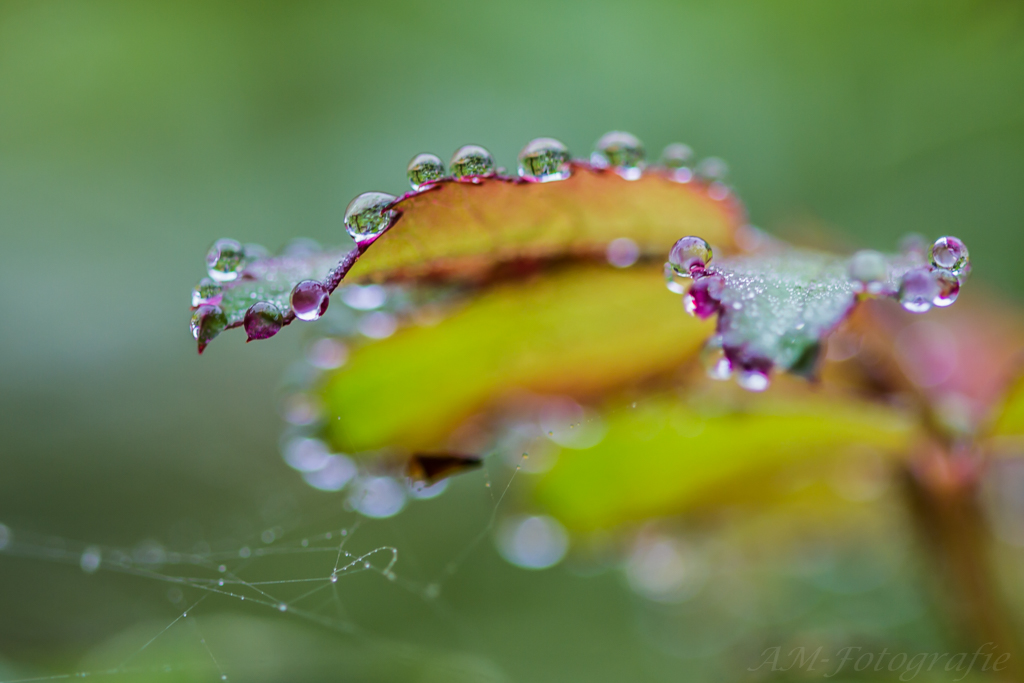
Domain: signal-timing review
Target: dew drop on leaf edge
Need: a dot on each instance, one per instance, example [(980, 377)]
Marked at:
[(309, 300), (425, 169), (622, 152), (918, 290), (949, 253), (206, 290), (689, 255), (471, 161), (225, 260), (544, 160), (366, 216), (263, 320)]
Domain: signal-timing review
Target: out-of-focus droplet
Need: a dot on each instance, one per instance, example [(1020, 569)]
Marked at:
[(91, 559), (263, 320), (327, 353), (301, 246), (205, 292), (207, 322), (622, 152), (914, 245), (536, 542), (5, 536), (309, 300), (713, 359), (544, 160), (425, 169), (253, 251), (664, 570), (672, 281), (378, 497), (949, 287), (677, 159), (305, 454), (149, 552), (367, 216), (718, 191), (918, 290), (225, 260), (753, 379), (301, 409), (712, 168), (689, 256), (870, 270), (337, 471), (364, 297), (378, 325), (704, 297), (950, 253), (622, 252), (471, 161)]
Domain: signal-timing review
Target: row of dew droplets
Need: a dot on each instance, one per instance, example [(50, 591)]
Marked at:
[(918, 289), (371, 213)]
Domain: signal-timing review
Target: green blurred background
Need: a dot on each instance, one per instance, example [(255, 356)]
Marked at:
[(134, 134)]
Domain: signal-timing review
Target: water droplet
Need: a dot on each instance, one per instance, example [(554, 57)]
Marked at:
[(950, 253), (367, 216), (205, 291), (704, 297), (327, 353), (309, 300), (334, 578), (949, 287), (870, 270), (712, 357), (425, 169), (718, 191), (92, 558), (672, 282), (544, 160), (225, 260), (535, 542), (622, 252), (364, 297), (378, 325), (244, 552), (918, 290), (689, 256), (263, 320), (753, 379), (913, 245), (222, 568), (677, 158), (470, 162), (207, 322), (283, 607), (337, 471), (378, 497), (712, 168), (620, 151)]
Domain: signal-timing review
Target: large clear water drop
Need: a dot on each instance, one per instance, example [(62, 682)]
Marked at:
[(425, 169), (950, 253), (225, 260), (689, 256), (470, 162), (544, 160), (309, 300), (367, 216), (263, 320), (623, 152)]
